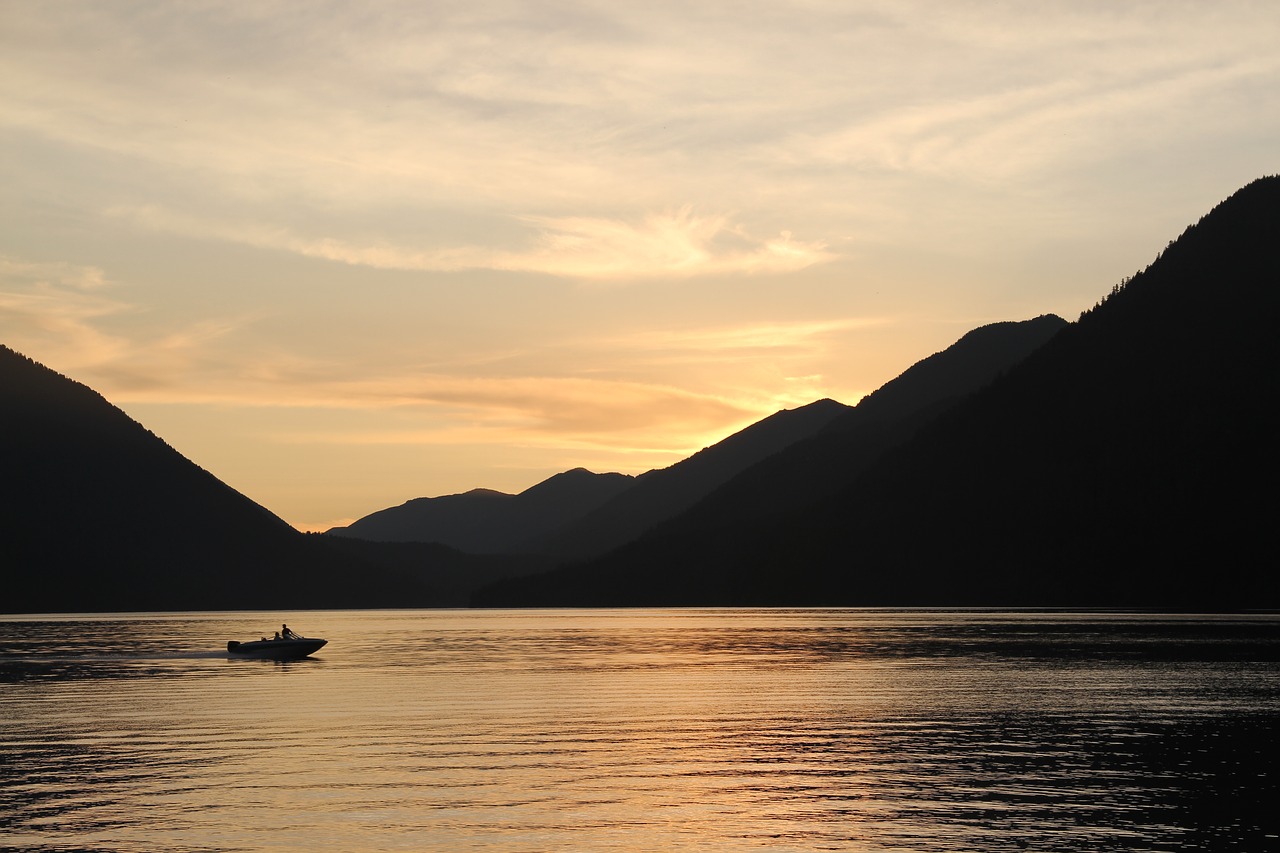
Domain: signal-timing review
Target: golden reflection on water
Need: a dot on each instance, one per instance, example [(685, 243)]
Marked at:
[(642, 730)]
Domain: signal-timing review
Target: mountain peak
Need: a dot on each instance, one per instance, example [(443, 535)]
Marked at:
[(1123, 463), (97, 513)]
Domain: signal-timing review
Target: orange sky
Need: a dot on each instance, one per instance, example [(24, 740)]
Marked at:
[(343, 255)]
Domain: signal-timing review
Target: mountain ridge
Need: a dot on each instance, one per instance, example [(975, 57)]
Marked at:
[(1106, 469), (1124, 462), (98, 513), (577, 509), (817, 466), (485, 521), (663, 493)]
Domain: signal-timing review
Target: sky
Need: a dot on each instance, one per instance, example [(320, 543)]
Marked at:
[(346, 254)]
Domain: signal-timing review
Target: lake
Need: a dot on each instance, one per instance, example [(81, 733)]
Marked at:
[(643, 730)]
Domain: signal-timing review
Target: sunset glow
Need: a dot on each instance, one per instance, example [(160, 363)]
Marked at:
[(344, 255)]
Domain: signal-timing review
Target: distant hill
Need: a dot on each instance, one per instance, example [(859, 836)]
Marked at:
[(482, 521), (98, 514), (1127, 462), (659, 495), (578, 512), (789, 460), (820, 466), (791, 455)]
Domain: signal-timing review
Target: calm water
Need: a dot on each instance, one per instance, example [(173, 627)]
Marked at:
[(707, 730)]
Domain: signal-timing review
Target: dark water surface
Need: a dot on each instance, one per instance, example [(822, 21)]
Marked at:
[(651, 730)]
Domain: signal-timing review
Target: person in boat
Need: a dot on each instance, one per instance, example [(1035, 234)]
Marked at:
[(286, 634), (277, 635)]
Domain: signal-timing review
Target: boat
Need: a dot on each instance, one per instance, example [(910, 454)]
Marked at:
[(286, 646)]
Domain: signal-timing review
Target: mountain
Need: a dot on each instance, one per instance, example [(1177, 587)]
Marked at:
[(98, 514), (795, 465), (482, 521), (1127, 462), (661, 494), (817, 467), (580, 512)]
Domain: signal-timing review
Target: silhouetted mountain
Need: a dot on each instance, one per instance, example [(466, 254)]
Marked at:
[(805, 470), (449, 520), (578, 512), (97, 513), (817, 467), (487, 522), (661, 494), (1127, 462), (972, 362)]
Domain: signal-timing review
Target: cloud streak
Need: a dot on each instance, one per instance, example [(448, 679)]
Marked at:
[(61, 302), (674, 245), (1023, 129)]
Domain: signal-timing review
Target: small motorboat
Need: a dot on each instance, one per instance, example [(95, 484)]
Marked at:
[(286, 646)]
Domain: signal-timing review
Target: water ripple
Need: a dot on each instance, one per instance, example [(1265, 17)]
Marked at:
[(643, 730)]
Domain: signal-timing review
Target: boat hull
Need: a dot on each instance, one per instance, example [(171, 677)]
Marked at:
[(276, 649)]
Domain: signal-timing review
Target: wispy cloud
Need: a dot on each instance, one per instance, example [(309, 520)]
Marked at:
[(56, 310), (799, 334), (547, 406), (671, 245), (677, 244), (625, 382), (586, 122), (59, 313), (576, 418), (62, 303), (1026, 127)]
